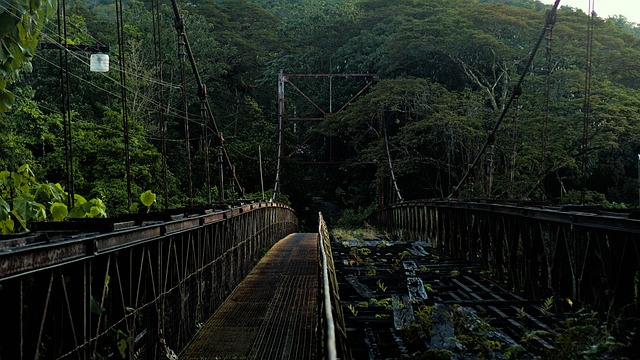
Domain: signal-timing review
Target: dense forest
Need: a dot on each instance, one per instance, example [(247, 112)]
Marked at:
[(443, 70)]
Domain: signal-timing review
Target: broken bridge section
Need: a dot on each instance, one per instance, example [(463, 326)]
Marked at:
[(403, 299)]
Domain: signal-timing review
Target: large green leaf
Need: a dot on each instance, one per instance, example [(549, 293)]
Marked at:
[(59, 211), (50, 192), (95, 307), (148, 198), (5, 209), (6, 100), (6, 226), (97, 209)]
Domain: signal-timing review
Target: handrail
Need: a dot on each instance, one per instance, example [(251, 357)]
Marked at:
[(336, 335), (328, 314)]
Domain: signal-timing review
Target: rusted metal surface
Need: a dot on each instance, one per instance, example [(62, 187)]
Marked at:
[(141, 292), (586, 255), (272, 314)]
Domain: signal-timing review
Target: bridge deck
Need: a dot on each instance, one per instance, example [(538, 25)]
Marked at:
[(272, 313)]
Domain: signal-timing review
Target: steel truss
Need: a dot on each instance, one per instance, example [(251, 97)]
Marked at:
[(141, 292), (592, 258)]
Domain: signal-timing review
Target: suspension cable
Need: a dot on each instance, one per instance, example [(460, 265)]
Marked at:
[(393, 175), (65, 94), (181, 56), (547, 86), (157, 58), (123, 100), (514, 142), (586, 107), (517, 91), (202, 91)]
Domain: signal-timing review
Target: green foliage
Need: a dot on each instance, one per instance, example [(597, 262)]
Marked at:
[(148, 198), (354, 219), (363, 233), (23, 199), (59, 211), (21, 22), (473, 333), (445, 69), (352, 309), (547, 305), (582, 336)]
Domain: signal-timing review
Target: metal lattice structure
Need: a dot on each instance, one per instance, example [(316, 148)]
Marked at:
[(139, 292), (590, 257)]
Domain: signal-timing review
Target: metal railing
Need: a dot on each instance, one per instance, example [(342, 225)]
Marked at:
[(581, 254), (334, 335), (140, 292)]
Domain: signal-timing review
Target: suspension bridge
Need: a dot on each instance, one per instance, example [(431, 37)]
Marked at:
[(237, 279), (241, 282)]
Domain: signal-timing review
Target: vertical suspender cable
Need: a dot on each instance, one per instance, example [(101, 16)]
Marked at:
[(65, 93), (586, 107), (205, 130), (514, 149), (281, 119), (547, 86), (157, 55), (181, 56), (123, 102), (393, 175)]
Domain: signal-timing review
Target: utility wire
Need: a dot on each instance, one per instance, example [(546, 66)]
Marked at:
[(148, 100), (83, 60), (124, 88)]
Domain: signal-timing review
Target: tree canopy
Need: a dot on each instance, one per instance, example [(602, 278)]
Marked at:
[(445, 72)]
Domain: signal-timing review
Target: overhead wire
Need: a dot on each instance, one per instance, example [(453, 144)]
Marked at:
[(95, 41), (84, 61), (115, 95)]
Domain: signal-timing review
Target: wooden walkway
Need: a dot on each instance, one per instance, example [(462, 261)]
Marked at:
[(272, 313)]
